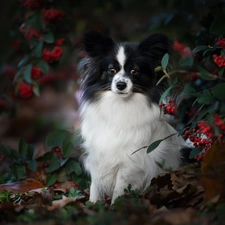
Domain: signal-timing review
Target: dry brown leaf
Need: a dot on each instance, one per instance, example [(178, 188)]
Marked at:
[(58, 204), (213, 172), (180, 216), (180, 188), (21, 186)]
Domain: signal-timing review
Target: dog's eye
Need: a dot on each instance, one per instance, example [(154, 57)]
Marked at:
[(112, 71), (134, 72)]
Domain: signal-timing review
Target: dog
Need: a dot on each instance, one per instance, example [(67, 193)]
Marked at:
[(120, 114)]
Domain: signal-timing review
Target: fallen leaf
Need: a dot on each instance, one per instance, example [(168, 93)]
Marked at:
[(180, 216), (213, 172), (21, 186), (58, 204), (180, 188)]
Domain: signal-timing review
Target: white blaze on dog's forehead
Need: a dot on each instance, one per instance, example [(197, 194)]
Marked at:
[(121, 57)]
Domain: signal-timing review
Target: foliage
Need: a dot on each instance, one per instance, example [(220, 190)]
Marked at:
[(59, 163), (197, 88)]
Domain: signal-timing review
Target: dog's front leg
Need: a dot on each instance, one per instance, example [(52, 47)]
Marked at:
[(94, 192), (121, 184)]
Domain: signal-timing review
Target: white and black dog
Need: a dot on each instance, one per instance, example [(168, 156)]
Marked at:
[(120, 114)]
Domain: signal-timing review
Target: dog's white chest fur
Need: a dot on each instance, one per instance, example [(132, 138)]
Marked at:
[(114, 127)]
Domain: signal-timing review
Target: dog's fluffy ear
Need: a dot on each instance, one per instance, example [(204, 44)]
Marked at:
[(97, 44), (155, 46)]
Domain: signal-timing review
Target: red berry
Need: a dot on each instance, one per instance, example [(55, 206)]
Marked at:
[(53, 15), (53, 55), (221, 42), (31, 4), (36, 72), (25, 90)]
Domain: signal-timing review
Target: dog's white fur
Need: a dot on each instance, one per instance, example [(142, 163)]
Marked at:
[(113, 128)]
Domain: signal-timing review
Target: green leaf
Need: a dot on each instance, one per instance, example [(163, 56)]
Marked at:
[(139, 149), (51, 179), (5, 150), (165, 93), (22, 147), (5, 196), (164, 61), (64, 161), (38, 49), (18, 75), (188, 89), (205, 98), (43, 65), (36, 90), (73, 166), (62, 176), (30, 152), (67, 149), (154, 145), (221, 72), (23, 62), (27, 73), (218, 91), (19, 171), (32, 165), (47, 156), (68, 145), (53, 165), (15, 153), (55, 138), (48, 37), (186, 62), (194, 153), (200, 48), (204, 74)]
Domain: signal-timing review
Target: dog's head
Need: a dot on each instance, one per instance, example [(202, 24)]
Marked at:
[(123, 68)]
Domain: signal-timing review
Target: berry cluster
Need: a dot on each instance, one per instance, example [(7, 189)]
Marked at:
[(36, 73), (31, 4), (25, 90), (219, 60), (221, 42), (30, 32), (200, 156), (35, 38), (59, 42), (219, 123), (194, 76), (169, 108), (204, 135), (52, 55), (58, 151), (206, 129), (53, 15), (183, 50)]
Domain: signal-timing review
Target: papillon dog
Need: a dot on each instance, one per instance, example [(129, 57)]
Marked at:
[(120, 114)]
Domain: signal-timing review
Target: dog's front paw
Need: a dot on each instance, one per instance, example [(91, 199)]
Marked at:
[(94, 193)]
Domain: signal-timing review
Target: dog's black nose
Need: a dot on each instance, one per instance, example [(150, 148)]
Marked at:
[(121, 85)]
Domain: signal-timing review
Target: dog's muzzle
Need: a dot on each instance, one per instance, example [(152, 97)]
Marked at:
[(121, 85)]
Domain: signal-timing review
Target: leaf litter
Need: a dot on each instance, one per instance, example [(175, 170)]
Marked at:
[(185, 196)]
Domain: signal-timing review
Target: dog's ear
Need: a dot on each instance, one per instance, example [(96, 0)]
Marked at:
[(97, 44), (155, 46)]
